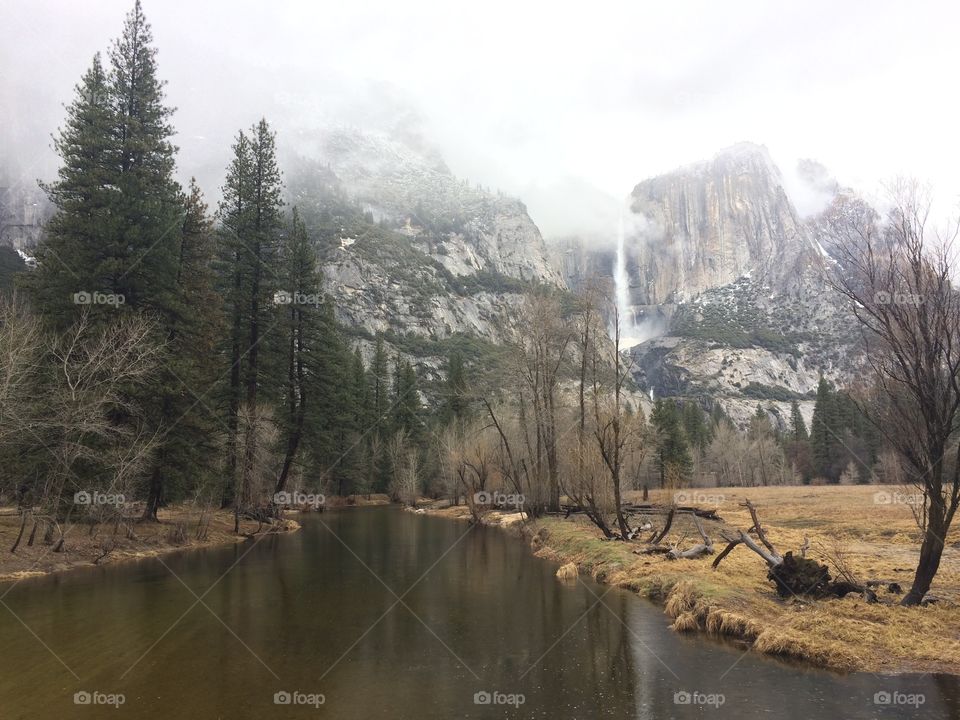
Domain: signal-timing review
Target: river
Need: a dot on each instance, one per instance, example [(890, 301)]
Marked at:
[(380, 613)]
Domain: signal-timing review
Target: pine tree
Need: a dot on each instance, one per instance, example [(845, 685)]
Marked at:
[(250, 238), (824, 431), (188, 450), (115, 242), (234, 225), (407, 410), (798, 428), (68, 257), (673, 457), (455, 402), (379, 385), (698, 431), (302, 323), (141, 255)]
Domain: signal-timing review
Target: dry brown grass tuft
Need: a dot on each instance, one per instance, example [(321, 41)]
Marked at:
[(724, 622), (681, 599), (791, 644), (568, 572), (686, 622)]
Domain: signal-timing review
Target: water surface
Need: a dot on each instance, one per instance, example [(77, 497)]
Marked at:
[(317, 612)]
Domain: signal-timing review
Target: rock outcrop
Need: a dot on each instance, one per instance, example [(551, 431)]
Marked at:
[(409, 250), (733, 281), (708, 224)]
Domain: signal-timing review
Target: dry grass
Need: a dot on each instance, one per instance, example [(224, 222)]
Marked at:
[(880, 541), (568, 572)]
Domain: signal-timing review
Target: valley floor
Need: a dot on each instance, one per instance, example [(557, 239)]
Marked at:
[(876, 539)]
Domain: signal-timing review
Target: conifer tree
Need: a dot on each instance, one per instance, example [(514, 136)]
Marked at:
[(251, 226), (379, 385), (798, 428), (695, 426), (302, 336), (68, 257), (140, 259), (186, 417), (407, 410), (673, 457), (455, 403), (824, 430)]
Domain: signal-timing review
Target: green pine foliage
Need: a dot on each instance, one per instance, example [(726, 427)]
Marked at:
[(673, 461)]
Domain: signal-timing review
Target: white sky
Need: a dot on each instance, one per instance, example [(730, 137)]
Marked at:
[(543, 100)]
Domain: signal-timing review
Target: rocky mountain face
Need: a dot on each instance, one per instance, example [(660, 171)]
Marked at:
[(23, 210), (411, 251), (731, 279), (708, 224)]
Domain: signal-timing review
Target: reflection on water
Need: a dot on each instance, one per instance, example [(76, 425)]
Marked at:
[(392, 615)]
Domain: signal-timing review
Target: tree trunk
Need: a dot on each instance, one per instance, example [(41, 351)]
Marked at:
[(931, 551), (23, 525), (233, 425), (155, 493)]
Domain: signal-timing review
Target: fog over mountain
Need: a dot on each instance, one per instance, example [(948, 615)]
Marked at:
[(548, 105)]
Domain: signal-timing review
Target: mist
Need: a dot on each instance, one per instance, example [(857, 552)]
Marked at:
[(567, 111)]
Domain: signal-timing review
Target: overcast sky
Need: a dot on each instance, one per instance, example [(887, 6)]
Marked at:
[(547, 101)]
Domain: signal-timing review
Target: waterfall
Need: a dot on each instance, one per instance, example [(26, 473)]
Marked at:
[(621, 281), (631, 332)]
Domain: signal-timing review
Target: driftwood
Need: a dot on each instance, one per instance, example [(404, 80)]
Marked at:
[(708, 513), (793, 575), (703, 548), (654, 547)]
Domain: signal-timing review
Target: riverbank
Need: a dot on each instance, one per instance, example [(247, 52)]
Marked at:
[(875, 539), (179, 528)]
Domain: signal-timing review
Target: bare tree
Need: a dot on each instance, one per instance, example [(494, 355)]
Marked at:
[(897, 276), (540, 350), (613, 429), (404, 478)]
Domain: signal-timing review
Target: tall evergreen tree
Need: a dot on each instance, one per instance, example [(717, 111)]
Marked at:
[(250, 236), (455, 401), (302, 335), (798, 428), (824, 433), (83, 196), (407, 410), (115, 242), (673, 456), (379, 384), (140, 259), (695, 426), (186, 418)]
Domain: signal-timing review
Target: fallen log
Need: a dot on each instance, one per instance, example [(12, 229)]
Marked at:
[(793, 575), (703, 548)]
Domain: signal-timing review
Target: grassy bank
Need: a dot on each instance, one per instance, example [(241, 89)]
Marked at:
[(873, 538), (179, 528)]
